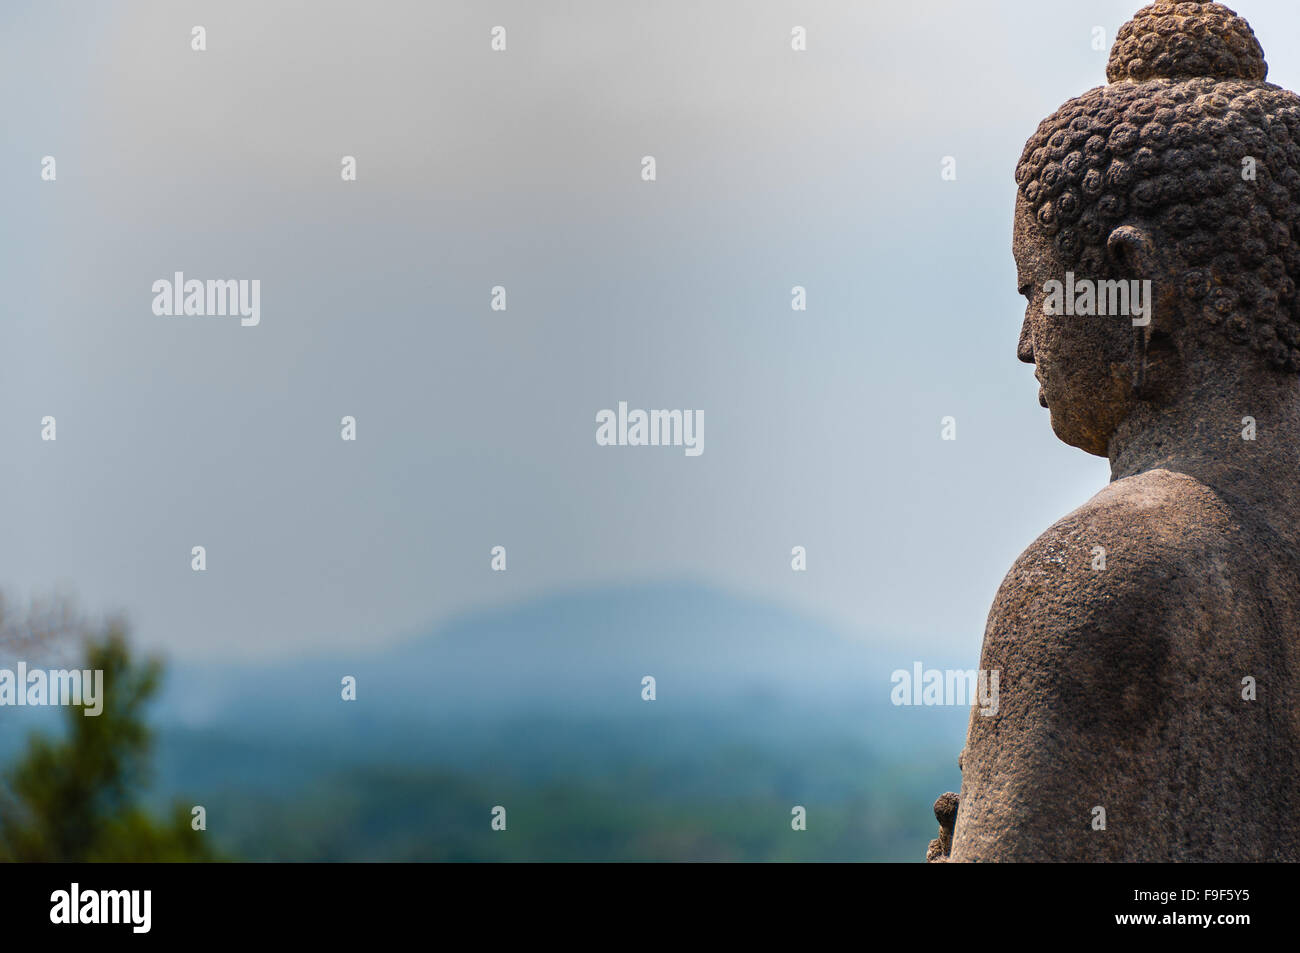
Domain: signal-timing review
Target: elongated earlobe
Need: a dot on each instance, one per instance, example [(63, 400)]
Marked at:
[(1132, 254)]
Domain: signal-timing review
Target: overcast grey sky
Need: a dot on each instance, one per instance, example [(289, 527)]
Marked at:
[(475, 427)]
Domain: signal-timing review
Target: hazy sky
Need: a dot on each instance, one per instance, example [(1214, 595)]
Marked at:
[(476, 427)]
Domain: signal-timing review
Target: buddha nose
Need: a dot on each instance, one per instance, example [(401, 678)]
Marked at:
[(1025, 347)]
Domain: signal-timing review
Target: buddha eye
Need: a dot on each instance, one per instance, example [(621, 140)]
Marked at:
[(1025, 289)]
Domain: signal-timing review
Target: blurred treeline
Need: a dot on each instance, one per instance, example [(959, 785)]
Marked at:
[(703, 785), (78, 795)]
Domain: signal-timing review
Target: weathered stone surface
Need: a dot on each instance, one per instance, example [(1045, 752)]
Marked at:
[(945, 812), (1122, 687)]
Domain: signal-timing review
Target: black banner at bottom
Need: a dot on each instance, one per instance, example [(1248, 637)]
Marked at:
[(143, 902)]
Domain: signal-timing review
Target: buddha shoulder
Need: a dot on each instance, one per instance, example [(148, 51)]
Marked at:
[(1137, 542)]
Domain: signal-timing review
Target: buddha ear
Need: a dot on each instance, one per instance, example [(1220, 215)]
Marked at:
[(1133, 255), (1132, 252)]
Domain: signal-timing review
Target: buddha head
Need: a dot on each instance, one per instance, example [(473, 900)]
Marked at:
[(1180, 178)]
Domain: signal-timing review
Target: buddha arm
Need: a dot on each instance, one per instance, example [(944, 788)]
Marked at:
[(1101, 681)]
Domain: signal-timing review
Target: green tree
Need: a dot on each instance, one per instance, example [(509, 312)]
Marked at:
[(77, 798)]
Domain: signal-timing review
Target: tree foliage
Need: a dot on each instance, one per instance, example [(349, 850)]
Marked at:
[(78, 797)]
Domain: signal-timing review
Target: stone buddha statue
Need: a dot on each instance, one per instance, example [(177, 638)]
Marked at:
[(1148, 644)]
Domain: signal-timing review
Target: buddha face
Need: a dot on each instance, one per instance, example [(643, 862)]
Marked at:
[(1084, 363)]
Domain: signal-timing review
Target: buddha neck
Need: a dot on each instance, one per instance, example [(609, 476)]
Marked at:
[(1199, 432)]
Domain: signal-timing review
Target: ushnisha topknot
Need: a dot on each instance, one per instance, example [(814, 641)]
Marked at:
[(1182, 40), (1189, 141)]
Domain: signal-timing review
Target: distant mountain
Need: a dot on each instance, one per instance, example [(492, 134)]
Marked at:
[(539, 707), (584, 651)]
